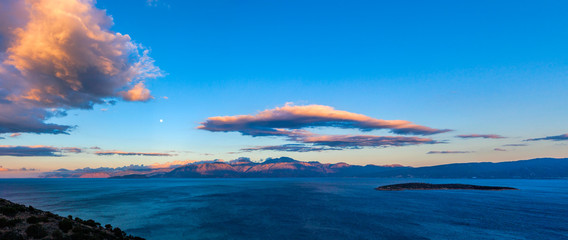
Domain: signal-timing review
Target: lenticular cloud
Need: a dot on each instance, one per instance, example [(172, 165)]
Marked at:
[(60, 54)]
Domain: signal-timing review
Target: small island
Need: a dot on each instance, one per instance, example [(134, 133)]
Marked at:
[(429, 186), (19, 222)]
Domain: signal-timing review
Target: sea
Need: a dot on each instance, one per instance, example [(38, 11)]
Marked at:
[(304, 208)]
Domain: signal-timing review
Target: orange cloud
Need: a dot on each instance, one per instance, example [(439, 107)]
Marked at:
[(62, 54), (137, 93)]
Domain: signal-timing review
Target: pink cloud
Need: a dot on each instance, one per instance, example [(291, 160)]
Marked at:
[(287, 122), (448, 152), (122, 153), (61, 54), (15, 134), (365, 140), (290, 148), (296, 117)]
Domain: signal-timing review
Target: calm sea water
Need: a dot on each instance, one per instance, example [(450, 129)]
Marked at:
[(321, 208)]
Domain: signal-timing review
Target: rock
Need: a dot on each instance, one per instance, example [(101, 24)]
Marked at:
[(429, 186)]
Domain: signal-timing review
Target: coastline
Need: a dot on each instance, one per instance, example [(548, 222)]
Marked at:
[(20, 222)]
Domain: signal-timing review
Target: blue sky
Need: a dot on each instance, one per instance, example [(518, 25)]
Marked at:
[(478, 67)]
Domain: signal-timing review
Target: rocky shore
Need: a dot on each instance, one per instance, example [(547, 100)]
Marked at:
[(429, 186), (18, 222)]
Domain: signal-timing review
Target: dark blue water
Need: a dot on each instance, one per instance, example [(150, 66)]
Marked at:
[(303, 208)]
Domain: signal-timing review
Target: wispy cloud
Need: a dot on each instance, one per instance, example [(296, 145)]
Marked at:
[(365, 140), (297, 117), (491, 136), (71, 150), (29, 151), (500, 149), (290, 148), (562, 137), (15, 134), (56, 56), (18, 169), (122, 153), (515, 145), (448, 152)]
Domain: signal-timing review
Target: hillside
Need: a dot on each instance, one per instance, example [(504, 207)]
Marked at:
[(21, 222)]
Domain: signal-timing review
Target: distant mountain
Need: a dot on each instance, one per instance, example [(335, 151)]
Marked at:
[(272, 167), (534, 168), (288, 167)]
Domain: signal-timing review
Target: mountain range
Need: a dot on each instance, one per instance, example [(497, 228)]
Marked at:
[(538, 168)]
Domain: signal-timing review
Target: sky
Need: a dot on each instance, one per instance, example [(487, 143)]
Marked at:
[(115, 83)]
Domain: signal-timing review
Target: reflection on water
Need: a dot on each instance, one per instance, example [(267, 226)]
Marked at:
[(303, 208)]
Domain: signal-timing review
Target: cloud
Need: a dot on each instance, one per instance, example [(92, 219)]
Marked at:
[(289, 148), (29, 151), (355, 141), (18, 170), (448, 152), (137, 93), (71, 150), (15, 134), (287, 122), (492, 136), (562, 137), (121, 153), (57, 55), (343, 141), (515, 145), (500, 149), (289, 116)]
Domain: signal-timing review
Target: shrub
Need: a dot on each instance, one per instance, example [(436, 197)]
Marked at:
[(11, 236), (57, 235), (9, 211), (65, 225), (9, 223), (91, 223), (3, 223), (36, 231), (119, 233), (32, 220)]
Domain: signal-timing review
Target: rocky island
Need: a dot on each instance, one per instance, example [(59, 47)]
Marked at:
[(18, 222), (429, 186)]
